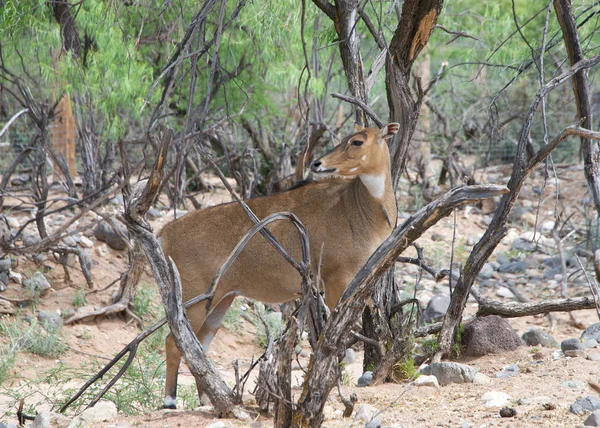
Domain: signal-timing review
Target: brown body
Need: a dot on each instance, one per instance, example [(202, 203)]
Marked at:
[(347, 216)]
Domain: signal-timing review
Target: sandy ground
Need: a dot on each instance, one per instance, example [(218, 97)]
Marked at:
[(542, 378)]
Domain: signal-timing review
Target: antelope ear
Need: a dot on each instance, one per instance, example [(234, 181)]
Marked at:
[(358, 127), (389, 130)]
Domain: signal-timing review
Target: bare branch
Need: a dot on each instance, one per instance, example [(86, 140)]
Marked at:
[(362, 105)]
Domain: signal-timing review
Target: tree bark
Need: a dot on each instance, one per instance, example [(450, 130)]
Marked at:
[(62, 14), (412, 34), (167, 277), (321, 376), (589, 148), (344, 15)]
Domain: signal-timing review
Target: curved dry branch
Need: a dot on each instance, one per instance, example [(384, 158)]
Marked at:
[(514, 310), (322, 369)]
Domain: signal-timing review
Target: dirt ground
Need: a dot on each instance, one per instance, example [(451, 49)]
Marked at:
[(542, 378)]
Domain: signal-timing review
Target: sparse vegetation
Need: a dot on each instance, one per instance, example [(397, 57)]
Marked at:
[(145, 303), (29, 336), (405, 370), (80, 299), (429, 347)]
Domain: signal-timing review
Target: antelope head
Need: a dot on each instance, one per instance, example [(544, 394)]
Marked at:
[(363, 154)]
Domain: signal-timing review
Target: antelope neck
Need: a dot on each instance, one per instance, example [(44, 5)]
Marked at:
[(375, 184)]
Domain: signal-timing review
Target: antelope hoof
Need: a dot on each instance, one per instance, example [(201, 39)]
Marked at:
[(169, 403)]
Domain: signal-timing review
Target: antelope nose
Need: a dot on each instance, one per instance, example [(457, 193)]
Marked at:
[(315, 165)]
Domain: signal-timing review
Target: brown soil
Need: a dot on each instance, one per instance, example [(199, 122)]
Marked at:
[(541, 379)]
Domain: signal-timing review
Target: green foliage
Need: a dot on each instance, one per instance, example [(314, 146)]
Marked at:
[(273, 324), (405, 370), (80, 299), (347, 378), (430, 347), (457, 347), (231, 320), (145, 303), (32, 338), (6, 362)]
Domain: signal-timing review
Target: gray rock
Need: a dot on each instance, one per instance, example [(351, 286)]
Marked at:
[(13, 223), (436, 308), (425, 380), (102, 411), (3, 281), (69, 241), (513, 267), (153, 213), (505, 292), (68, 312), (538, 337), (590, 343), (365, 380), (273, 320), (593, 420), (509, 371), (450, 372), (573, 353), (571, 345), (219, 424), (5, 265), (46, 419), (521, 244), (592, 332), (595, 356), (489, 335), (105, 233), (575, 384), (552, 262), (486, 271), (349, 356), (86, 242), (366, 413), (374, 423), (117, 200), (550, 274), (51, 321), (502, 259), (68, 259), (496, 399), (3, 425), (481, 379), (37, 283), (436, 237), (518, 213), (30, 239), (581, 406), (39, 258)]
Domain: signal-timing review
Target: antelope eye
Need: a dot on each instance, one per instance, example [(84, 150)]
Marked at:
[(357, 143)]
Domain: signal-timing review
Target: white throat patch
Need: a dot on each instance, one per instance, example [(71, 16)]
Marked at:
[(375, 184)]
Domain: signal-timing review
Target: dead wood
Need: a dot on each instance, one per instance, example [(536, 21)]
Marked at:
[(497, 229), (321, 376), (515, 310), (589, 148), (167, 277), (307, 154)]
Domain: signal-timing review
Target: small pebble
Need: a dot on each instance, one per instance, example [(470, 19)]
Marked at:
[(508, 412)]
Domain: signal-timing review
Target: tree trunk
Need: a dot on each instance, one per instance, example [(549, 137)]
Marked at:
[(322, 371), (412, 34), (589, 148)]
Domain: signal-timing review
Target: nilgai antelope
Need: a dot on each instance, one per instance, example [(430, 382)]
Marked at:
[(348, 212)]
